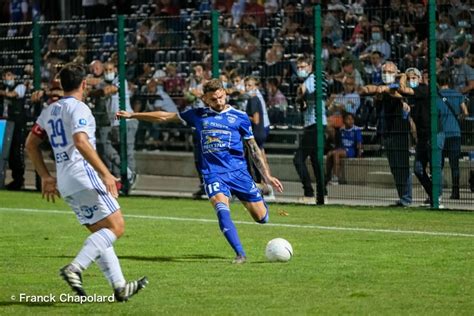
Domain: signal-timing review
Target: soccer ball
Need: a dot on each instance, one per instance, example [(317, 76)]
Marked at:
[(278, 249)]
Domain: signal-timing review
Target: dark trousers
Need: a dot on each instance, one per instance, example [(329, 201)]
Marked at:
[(398, 156), (307, 148), (422, 159), (16, 159), (452, 150)]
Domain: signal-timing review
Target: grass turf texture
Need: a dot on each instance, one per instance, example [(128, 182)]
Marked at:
[(188, 262)]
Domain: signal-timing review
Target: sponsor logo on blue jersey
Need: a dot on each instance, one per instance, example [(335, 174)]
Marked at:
[(215, 140)]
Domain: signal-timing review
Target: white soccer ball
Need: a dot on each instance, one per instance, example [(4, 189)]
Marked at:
[(278, 249)]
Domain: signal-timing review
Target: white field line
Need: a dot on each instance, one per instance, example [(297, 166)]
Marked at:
[(204, 220)]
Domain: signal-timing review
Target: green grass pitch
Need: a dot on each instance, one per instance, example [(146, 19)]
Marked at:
[(348, 260)]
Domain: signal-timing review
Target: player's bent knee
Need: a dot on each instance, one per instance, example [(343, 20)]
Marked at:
[(266, 217), (116, 224)]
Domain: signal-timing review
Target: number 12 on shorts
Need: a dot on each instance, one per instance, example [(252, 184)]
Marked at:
[(212, 188)]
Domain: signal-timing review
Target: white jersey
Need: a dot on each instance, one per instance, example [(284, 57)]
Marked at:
[(61, 120)]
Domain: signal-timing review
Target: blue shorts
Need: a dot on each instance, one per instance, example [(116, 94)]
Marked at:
[(238, 182)]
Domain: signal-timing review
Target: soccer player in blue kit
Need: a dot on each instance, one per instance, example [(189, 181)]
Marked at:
[(220, 129)]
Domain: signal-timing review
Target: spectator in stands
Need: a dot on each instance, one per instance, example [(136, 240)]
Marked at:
[(244, 45), (418, 100), (223, 6), (274, 65), (19, 12), (446, 31), (374, 69), (111, 91), (307, 146), (462, 74), (256, 109), (331, 24), (236, 91), (173, 83), (349, 99), (193, 86), (452, 111), (276, 102), (350, 147), (96, 84), (395, 130), (237, 10), (256, 10), (361, 29), (12, 106), (166, 8), (348, 70), (377, 44)]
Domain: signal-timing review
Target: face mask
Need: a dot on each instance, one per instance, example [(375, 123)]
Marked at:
[(376, 36), (358, 41), (8, 83), (388, 78), (225, 85), (413, 83), (109, 76), (325, 54), (443, 26), (463, 24), (302, 73)]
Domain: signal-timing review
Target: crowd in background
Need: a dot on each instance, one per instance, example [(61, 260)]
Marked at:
[(168, 52)]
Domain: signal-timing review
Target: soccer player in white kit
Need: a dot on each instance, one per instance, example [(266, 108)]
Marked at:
[(83, 181)]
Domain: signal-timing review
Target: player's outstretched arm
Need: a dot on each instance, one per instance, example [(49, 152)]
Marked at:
[(81, 141), (157, 116), (48, 182), (261, 164)]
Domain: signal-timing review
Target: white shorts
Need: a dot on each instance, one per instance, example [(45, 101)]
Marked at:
[(91, 206)]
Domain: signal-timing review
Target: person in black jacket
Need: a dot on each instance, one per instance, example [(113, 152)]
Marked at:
[(418, 99), (393, 117)]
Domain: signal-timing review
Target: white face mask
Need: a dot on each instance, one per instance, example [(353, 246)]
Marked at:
[(109, 76), (388, 78), (413, 83), (302, 73)]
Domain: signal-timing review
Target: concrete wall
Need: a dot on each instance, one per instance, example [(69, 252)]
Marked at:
[(358, 171)]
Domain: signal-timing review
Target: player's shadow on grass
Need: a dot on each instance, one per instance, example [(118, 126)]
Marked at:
[(184, 258)]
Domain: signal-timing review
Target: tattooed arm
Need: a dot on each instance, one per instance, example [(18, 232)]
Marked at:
[(261, 164)]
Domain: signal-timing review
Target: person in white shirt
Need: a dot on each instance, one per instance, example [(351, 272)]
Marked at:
[(111, 90), (83, 181)]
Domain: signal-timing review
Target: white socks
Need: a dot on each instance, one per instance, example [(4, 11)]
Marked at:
[(110, 267), (99, 246)]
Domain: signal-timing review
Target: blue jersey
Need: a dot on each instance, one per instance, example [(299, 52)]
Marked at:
[(219, 135), (349, 139)]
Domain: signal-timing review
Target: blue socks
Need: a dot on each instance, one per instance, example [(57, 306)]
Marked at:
[(228, 228)]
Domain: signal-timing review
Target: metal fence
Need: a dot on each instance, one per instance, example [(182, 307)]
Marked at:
[(167, 58)]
